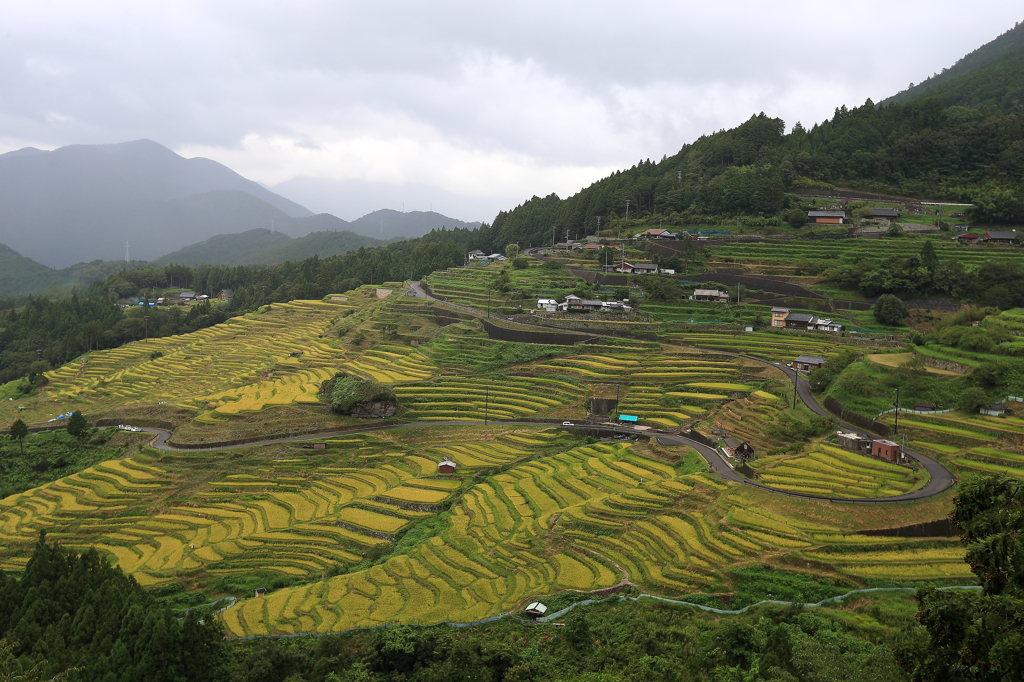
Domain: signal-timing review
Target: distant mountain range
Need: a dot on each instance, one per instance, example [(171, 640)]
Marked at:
[(263, 247), (350, 198), (84, 202), (20, 275), (389, 224)]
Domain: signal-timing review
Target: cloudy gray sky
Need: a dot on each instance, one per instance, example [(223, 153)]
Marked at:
[(488, 102)]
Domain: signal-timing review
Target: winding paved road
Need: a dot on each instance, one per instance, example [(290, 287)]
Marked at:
[(940, 478)]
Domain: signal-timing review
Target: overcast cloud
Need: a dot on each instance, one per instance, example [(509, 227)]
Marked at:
[(490, 103)]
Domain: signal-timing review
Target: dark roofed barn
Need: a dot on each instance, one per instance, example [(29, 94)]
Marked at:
[(1000, 236), (832, 217), (807, 363), (887, 213)]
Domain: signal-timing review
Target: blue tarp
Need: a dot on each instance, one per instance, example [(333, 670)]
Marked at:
[(628, 418)]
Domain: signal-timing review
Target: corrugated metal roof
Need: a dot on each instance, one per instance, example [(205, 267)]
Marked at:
[(826, 214), (810, 360)]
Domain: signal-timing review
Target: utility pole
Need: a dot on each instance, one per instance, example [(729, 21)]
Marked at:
[(488, 301), (896, 425), (146, 318), (487, 397), (796, 380)]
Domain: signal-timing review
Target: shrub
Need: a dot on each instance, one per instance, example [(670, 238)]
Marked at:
[(348, 391), (973, 399), (796, 218), (889, 310)]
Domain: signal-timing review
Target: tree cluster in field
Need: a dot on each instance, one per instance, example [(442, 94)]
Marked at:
[(70, 612), (30, 460), (346, 391)]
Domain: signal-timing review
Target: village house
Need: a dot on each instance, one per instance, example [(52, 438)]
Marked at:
[(548, 304), (827, 325), (886, 449), (996, 410), (807, 363), (779, 316), (886, 213), (575, 303), (967, 238), (623, 267), (656, 233), (805, 320), (645, 269), (875, 447), (827, 217), (187, 296), (854, 443), (1001, 237), (734, 448), (710, 295)]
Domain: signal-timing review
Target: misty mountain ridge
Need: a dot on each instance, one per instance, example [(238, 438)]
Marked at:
[(387, 223), (993, 74), (352, 198), (20, 275), (265, 247), (84, 202)]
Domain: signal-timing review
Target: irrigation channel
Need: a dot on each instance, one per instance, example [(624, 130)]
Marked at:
[(940, 479)]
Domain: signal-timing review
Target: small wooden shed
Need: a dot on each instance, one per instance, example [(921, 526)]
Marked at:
[(446, 466), (536, 609)]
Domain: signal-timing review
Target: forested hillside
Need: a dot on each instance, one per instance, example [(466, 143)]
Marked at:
[(75, 613), (1000, 54), (744, 175)]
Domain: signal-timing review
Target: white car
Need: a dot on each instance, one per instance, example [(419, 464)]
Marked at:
[(568, 424)]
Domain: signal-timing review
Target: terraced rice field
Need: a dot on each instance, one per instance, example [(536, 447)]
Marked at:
[(216, 369), (392, 364), (663, 389), (972, 443), (776, 346), (833, 472), (468, 287), (578, 520), (852, 250), (472, 398), (295, 525)]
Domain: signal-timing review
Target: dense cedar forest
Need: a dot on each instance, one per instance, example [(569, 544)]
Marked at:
[(921, 149), (70, 612), (76, 612)]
